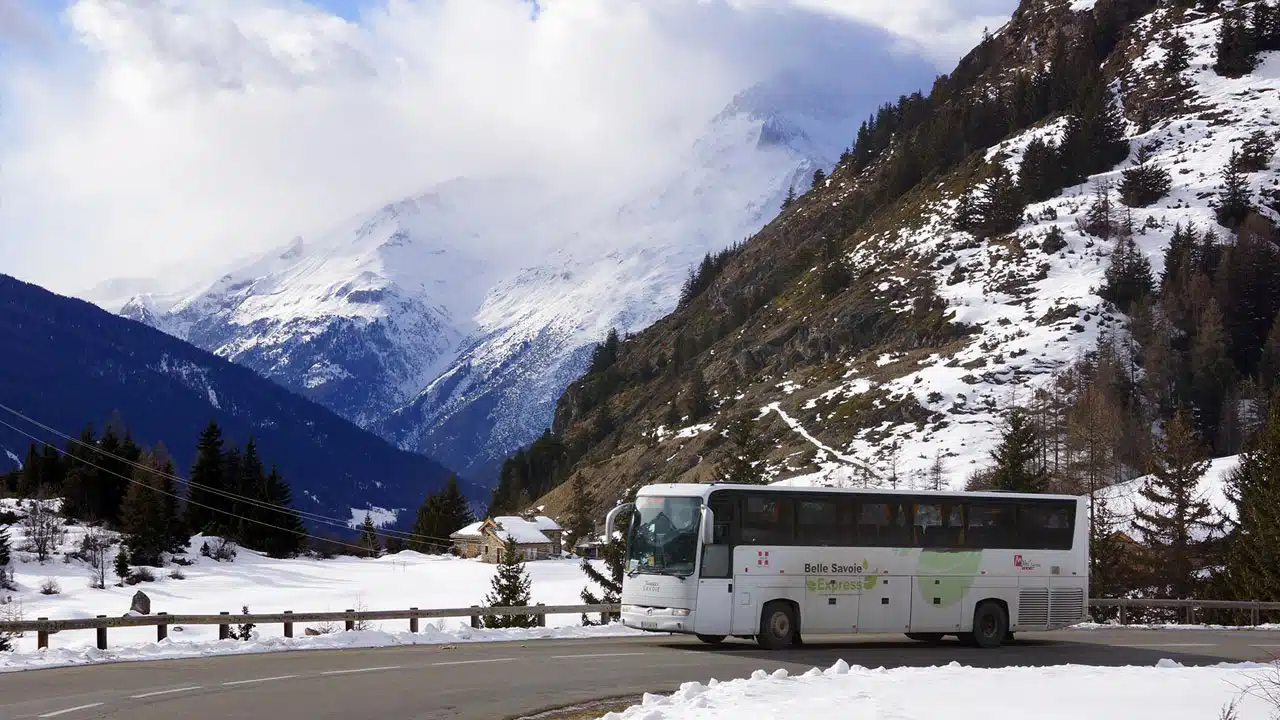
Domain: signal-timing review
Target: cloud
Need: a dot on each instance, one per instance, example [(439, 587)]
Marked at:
[(169, 135)]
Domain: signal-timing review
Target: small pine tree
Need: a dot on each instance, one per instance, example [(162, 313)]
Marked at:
[(511, 588), (746, 451), (1254, 544), (582, 521), (1177, 57), (1256, 151), (122, 565), (1106, 549), (369, 538), (1002, 203), (1040, 176), (1016, 459), (1175, 511), (1128, 278), (819, 177), (614, 554), (790, 199), (1145, 182), (1234, 202), (4, 547), (1237, 51), (1100, 219), (697, 398)]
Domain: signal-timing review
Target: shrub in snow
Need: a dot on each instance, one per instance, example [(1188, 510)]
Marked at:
[(221, 549), (245, 630), (44, 530), (140, 575), (177, 574), (50, 587)]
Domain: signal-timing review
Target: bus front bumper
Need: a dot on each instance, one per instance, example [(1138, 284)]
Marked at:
[(657, 619)]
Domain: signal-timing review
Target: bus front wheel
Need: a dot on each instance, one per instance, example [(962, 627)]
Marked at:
[(777, 626), (711, 639)]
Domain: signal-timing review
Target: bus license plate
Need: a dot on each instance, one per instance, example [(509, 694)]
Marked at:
[(648, 625)]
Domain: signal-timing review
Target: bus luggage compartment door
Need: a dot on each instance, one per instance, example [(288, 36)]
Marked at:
[(714, 612)]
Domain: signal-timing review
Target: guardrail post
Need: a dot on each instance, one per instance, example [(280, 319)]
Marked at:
[(162, 628), (1124, 613), (542, 615), (604, 618), (413, 621), (475, 617), (102, 634), (42, 637), (351, 624), (1255, 614), (1191, 614), (224, 630), (288, 627)]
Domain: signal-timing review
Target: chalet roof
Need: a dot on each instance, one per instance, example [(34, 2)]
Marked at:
[(524, 532)]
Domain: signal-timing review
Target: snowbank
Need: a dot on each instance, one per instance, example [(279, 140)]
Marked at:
[(1168, 691)]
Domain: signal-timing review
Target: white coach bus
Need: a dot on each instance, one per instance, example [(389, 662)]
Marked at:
[(776, 563)]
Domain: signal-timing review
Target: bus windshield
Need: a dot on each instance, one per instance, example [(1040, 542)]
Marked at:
[(663, 539)]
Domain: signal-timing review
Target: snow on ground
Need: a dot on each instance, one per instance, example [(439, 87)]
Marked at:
[(381, 517), (1173, 626), (266, 585), (1168, 691)]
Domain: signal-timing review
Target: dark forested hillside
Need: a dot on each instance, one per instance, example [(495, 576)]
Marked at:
[(67, 363)]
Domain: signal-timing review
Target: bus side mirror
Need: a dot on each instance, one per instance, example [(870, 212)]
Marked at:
[(611, 518), (708, 526)]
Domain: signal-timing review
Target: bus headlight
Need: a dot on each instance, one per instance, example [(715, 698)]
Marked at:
[(679, 612), (630, 609)]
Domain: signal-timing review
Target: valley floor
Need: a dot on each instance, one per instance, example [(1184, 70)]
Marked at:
[(266, 585)]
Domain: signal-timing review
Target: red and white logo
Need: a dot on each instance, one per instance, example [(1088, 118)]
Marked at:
[(762, 558), (1017, 561)]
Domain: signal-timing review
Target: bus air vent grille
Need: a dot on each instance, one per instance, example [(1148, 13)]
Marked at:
[(1033, 607), (1067, 606)]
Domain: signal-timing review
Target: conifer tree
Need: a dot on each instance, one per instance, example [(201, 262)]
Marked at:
[(1094, 140), (1234, 201), (819, 177), (614, 554), (1269, 363), (1040, 176), (122, 564), (1254, 544), (1212, 373), (1256, 151), (1237, 50), (1106, 549), (286, 536), (251, 483), (4, 547), (1100, 219), (369, 538), (582, 521), (146, 527), (697, 398), (790, 199), (1177, 57), (207, 475), (746, 451), (511, 588), (1002, 203), (1176, 520), (1145, 182), (1016, 459), (1128, 278)]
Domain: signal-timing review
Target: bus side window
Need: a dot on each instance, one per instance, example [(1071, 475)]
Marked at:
[(991, 525), (1046, 525), (818, 522), (873, 518), (768, 520), (723, 506)]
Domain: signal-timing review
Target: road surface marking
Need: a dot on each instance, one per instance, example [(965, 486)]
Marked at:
[(69, 710), (165, 692), (259, 680), (1265, 646), (596, 655), (1173, 645), (472, 662), (360, 670)]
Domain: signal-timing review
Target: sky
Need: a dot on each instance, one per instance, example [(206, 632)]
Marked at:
[(159, 138)]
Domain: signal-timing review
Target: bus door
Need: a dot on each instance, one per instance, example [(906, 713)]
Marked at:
[(714, 610)]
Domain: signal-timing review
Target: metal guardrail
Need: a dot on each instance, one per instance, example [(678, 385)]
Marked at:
[(44, 627), (1254, 607)]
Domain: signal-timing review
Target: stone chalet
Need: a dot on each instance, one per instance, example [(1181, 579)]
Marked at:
[(538, 538)]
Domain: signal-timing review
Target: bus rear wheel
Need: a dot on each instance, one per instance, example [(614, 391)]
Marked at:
[(990, 626), (711, 639), (926, 637), (777, 626)]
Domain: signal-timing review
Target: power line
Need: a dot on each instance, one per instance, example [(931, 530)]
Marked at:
[(189, 502), (315, 517)]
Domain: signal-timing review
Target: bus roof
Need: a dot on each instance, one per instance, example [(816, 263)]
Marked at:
[(702, 490)]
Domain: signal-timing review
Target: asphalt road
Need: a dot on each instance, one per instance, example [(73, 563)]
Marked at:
[(494, 681)]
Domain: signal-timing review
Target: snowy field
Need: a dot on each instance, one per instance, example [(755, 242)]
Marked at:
[(1167, 691), (267, 585)]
